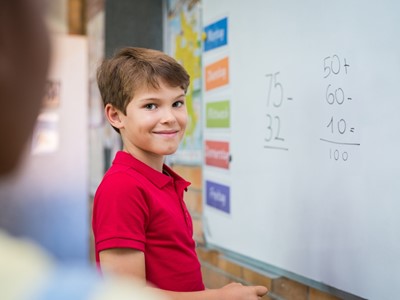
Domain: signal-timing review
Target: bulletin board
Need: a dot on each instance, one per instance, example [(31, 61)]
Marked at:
[(302, 139)]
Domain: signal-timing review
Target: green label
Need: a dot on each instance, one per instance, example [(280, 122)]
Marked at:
[(218, 114)]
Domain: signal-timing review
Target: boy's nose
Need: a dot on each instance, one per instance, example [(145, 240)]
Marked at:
[(167, 116)]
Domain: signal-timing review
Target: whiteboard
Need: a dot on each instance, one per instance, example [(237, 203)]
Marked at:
[(312, 185)]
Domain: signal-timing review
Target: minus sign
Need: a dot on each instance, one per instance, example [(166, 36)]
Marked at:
[(276, 148), (289, 98)]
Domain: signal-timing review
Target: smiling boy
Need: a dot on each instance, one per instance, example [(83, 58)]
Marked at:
[(141, 225)]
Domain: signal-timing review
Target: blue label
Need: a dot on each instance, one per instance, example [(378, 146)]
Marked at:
[(218, 196), (216, 34)]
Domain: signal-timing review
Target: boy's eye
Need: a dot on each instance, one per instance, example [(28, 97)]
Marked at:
[(150, 106), (178, 104)]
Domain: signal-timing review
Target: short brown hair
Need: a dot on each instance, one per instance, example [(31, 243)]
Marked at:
[(131, 69)]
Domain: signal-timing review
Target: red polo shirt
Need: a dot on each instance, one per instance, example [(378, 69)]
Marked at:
[(138, 207)]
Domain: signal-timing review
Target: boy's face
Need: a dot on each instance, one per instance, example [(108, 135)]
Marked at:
[(154, 123)]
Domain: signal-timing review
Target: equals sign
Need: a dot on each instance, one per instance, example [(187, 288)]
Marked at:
[(352, 129)]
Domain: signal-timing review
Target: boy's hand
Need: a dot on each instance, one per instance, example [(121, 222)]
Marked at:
[(237, 291)]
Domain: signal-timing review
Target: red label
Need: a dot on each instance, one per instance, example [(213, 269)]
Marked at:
[(217, 154)]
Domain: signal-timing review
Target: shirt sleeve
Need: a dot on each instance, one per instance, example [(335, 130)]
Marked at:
[(120, 214)]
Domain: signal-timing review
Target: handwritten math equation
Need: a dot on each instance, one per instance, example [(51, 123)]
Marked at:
[(276, 102), (339, 130)]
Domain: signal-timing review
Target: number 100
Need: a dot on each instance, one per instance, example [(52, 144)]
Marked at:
[(336, 154)]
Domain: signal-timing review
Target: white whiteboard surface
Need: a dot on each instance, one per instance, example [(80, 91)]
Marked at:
[(314, 186)]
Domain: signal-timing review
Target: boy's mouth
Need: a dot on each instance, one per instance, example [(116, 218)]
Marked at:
[(167, 132)]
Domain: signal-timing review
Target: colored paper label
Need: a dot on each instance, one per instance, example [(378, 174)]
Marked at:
[(216, 34), (217, 74), (217, 154), (218, 114), (218, 196)]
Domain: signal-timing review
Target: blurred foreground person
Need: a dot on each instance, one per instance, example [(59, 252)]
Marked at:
[(26, 271)]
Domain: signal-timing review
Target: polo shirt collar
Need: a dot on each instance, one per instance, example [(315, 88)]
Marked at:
[(157, 178)]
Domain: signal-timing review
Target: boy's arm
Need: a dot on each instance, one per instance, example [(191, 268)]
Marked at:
[(131, 263), (125, 262), (232, 291)]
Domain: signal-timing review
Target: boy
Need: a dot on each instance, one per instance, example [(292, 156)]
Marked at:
[(141, 226)]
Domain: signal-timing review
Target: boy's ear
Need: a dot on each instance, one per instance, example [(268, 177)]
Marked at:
[(113, 116)]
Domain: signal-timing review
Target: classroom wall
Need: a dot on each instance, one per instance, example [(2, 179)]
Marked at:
[(133, 22)]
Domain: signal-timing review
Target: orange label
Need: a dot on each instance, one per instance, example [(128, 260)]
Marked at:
[(217, 154), (217, 74)]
